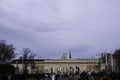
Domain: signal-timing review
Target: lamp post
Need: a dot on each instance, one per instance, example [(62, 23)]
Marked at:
[(99, 62), (112, 61), (94, 62), (106, 62)]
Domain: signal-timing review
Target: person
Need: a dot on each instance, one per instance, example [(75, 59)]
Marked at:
[(53, 77), (84, 76), (105, 77), (76, 76), (70, 78)]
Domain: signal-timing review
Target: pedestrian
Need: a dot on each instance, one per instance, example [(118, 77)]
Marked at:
[(69, 78), (105, 77), (53, 76)]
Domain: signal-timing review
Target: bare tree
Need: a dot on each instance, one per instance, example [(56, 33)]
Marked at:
[(6, 52), (27, 59)]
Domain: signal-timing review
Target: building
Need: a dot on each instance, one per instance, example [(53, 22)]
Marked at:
[(57, 65), (109, 61)]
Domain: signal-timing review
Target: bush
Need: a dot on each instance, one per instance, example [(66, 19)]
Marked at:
[(6, 69)]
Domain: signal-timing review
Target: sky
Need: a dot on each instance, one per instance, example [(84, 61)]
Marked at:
[(51, 28)]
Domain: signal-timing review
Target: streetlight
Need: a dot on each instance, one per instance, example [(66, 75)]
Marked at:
[(112, 61)]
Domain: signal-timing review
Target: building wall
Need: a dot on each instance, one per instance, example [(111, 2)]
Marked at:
[(61, 67), (84, 65), (58, 65)]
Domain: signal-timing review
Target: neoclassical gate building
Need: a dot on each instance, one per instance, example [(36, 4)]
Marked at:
[(57, 65)]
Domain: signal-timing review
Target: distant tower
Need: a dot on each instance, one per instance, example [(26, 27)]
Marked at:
[(70, 55)]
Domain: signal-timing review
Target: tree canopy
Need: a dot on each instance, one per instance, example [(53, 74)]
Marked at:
[(63, 57)]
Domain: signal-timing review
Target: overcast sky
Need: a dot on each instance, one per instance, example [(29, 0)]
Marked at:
[(53, 27)]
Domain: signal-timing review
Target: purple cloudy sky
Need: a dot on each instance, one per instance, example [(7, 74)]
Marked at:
[(53, 27)]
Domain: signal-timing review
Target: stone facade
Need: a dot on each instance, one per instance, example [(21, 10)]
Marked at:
[(58, 65)]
